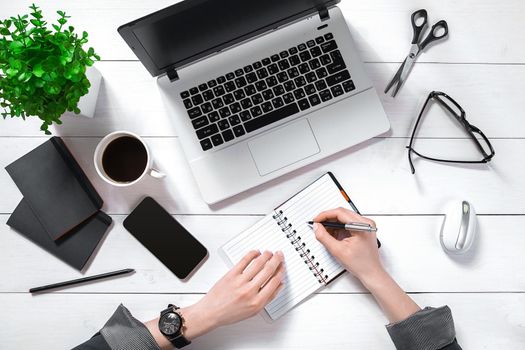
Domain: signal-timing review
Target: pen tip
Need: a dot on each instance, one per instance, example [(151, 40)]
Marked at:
[(310, 222)]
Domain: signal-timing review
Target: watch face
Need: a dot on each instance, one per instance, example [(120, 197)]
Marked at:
[(169, 324)]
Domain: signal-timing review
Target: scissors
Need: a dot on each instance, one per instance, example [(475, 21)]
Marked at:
[(438, 32)]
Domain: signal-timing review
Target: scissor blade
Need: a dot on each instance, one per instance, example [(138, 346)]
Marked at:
[(395, 79), (409, 62)]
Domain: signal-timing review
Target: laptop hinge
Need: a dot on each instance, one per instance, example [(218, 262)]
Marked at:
[(173, 75), (323, 14)]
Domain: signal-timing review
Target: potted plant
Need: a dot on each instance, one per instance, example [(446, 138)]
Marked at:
[(42, 70)]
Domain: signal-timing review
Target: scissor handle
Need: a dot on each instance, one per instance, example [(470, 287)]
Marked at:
[(418, 28), (431, 37)]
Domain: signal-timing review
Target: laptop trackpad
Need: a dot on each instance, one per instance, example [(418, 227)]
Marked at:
[(284, 146)]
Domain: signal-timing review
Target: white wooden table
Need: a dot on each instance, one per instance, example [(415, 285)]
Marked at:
[(482, 65)]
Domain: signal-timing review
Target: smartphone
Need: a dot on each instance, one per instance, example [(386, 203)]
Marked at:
[(165, 238)]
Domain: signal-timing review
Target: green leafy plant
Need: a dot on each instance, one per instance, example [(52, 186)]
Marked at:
[(42, 70)]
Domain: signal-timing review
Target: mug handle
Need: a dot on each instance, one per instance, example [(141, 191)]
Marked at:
[(156, 174)]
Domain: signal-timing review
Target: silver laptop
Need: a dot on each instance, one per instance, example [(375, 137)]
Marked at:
[(255, 88)]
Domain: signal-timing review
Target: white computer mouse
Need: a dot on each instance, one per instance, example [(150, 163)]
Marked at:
[(459, 227)]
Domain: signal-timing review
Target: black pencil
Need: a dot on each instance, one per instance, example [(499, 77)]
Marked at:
[(81, 280)]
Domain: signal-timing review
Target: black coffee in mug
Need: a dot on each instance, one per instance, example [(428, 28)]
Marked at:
[(125, 159)]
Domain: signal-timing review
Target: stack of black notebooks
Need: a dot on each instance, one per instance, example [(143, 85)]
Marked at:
[(60, 210)]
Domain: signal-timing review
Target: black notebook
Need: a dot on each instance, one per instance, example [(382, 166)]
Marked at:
[(75, 248), (55, 187), (309, 266)]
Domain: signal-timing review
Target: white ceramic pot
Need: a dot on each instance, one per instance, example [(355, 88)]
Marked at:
[(88, 102)]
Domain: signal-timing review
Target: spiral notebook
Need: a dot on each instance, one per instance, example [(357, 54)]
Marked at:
[(309, 266)]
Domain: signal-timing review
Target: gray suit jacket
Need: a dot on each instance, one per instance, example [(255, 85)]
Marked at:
[(428, 329)]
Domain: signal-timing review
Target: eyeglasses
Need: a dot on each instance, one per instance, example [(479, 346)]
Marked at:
[(458, 113)]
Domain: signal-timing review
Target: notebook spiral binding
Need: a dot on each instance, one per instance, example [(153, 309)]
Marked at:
[(299, 246)]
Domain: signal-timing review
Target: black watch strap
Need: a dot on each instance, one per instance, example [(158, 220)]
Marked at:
[(178, 340)]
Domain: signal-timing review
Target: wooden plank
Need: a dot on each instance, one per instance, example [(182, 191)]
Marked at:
[(490, 94), (488, 321), (375, 173), (381, 28), (410, 251)]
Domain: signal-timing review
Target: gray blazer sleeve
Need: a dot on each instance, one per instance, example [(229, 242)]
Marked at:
[(121, 332), (427, 329)]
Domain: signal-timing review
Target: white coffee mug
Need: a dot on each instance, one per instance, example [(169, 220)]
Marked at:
[(101, 148)]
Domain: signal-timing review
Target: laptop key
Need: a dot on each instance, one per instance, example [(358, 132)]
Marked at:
[(301, 47), (268, 94), (310, 43), (337, 78), (274, 58), (228, 98), (319, 40), (256, 111), (273, 68), (305, 56), (246, 103), (299, 93), (207, 131), (303, 68), (325, 95), (235, 108), (257, 98), (227, 135), (266, 61), (267, 107), (292, 51), (200, 122), (328, 46), (187, 103), (238, 130), (293, 72), (206, 144), (282, 77), (294, 60), (321, 73), (260, 85), (328, 36), (310, 89), (300, 81), (289, 85), (206, 107), (223, 124), (214, 117), (234, 120), (278, 90), (208, 95), (247, 69), (239, 94), (311, 77), (325, 59), (271, 81), (212, 83), (320, 85), (239, 72), (194, 90), (194, 112), (283, 54), (336, 66), (240, 82), (250, 90), (230, 76), (316, 51), (303, 104), (217, 140), (217, 103), (337, 90), (262, 73), (245, 116), (277, 102), (203, 87), (197, 99), (219, 91), (288, 98), (185, 94), (230, 86), (271, 117), (314, 64), (348, 86), (224, 112), (283, 64), (314, 99), (251, 77), (221, 79)]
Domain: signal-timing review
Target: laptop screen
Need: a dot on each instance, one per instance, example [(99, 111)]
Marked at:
[(193, 29)]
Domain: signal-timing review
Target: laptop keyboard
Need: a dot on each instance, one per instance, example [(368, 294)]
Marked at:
[(267, 91)]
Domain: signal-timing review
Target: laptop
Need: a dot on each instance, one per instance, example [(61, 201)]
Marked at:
[(257, 89)]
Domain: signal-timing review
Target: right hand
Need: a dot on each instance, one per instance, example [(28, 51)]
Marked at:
[(356, 251)]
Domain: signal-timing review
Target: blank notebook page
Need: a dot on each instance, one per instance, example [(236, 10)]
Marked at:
[(309, 266)]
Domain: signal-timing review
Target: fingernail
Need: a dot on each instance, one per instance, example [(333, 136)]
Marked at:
[(280, 254)]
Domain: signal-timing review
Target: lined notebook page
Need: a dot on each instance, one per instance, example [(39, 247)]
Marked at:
[(266, 234)]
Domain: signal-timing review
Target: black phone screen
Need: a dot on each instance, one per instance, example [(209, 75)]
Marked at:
[(165, 238)]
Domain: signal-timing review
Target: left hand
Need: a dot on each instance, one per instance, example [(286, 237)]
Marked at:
[(241, 293)]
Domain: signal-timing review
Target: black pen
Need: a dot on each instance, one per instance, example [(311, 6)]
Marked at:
[(352, 226), (81, 280)]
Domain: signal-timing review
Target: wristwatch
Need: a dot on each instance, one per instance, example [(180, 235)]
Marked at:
[(171, 324)]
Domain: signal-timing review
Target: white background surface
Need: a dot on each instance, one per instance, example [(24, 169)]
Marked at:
[(481, 65)]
